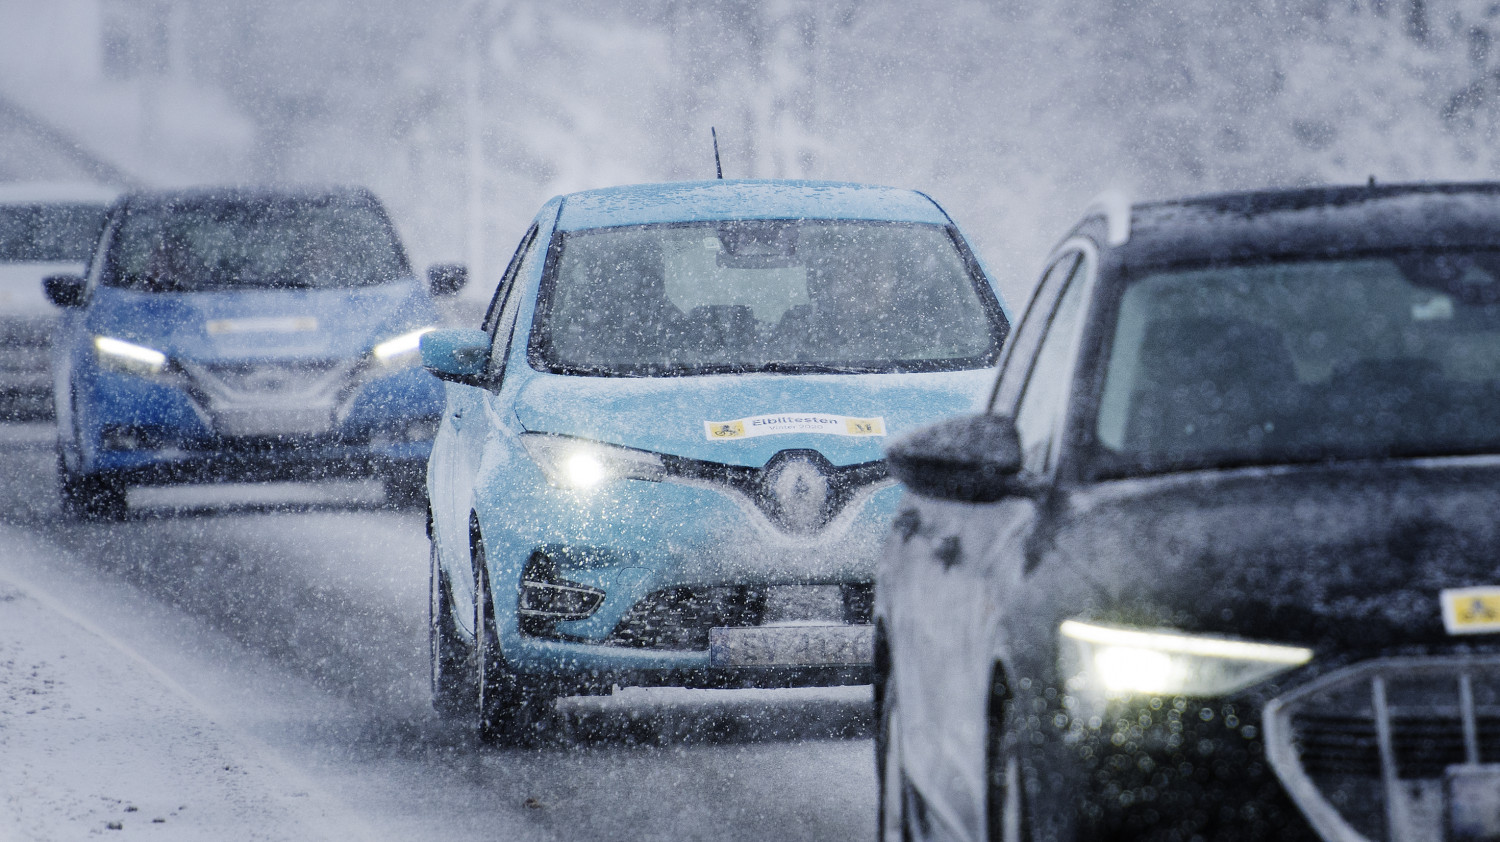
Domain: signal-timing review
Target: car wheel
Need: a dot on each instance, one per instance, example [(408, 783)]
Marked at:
[(450, 653), (1005, 803), (513, 709), (97, 496), (405, 487), (891, 813)]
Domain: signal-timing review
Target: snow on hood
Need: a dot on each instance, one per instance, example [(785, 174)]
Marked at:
[(262, 324), (667, 414)]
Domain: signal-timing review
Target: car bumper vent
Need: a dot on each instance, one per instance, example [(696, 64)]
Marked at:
[(1392, 749)]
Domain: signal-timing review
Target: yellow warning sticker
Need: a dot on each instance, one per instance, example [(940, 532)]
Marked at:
[(1471, 610), (791, 423)]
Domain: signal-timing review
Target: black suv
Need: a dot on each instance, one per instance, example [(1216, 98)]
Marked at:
[(1222, 559)]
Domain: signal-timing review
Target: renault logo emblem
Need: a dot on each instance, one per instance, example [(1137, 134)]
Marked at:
[(799, 492)]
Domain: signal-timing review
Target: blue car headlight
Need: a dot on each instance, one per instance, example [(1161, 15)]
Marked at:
[(581, 464), (401, 351), (128, 357), (1114, 661)]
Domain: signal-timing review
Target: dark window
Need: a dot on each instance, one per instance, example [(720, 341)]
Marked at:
[(1388, 354), (1051, 378), (254, 244), (1021, 349)]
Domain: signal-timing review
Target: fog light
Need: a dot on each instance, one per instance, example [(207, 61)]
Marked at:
[(559, 601), (545, 597)]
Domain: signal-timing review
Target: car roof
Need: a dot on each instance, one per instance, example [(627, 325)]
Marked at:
[(689, 201), (245, 195), (56, 192), (1315, 221)]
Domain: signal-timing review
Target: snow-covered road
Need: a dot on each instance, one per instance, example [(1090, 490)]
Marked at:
[(249, 663)]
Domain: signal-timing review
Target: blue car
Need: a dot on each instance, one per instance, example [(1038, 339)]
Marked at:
[(243, 334), (660, 462), (662, 455)]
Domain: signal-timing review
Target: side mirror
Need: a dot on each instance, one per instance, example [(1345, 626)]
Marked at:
[(64, 290), (458, 355), (445, 279), (970, 459)]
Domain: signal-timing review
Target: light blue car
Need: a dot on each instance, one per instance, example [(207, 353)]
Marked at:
[(660, 461)]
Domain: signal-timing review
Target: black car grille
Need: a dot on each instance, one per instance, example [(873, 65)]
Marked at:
[(799, 491), (680, 618), (1369, 752), (1423, 746)]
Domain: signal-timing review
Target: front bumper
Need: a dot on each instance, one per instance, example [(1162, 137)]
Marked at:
[(1382, 750), (669, 562), (154, 430), (1391, 749)]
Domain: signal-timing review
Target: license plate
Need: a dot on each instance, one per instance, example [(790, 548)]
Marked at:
[(792, 646), (1473, 803), (271, 422)]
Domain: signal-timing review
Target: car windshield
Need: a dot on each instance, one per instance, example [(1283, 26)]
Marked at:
[(661, 300), (1393, 354), (254, 245), (49, 233)]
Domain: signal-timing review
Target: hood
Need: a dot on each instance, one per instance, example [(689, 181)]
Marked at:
[(668, 414), (1344, 558), (262, 324), (21, 291)]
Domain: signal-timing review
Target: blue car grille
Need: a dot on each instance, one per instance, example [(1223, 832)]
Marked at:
[(272, 398)]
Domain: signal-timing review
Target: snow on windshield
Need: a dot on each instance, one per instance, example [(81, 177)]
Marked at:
[(768, 295)]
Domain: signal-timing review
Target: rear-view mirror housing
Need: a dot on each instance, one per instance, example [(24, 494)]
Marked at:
[(971, 459), (459, 355), (445, 279), (64, 290)]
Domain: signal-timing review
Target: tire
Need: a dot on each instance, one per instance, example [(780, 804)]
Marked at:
[(405, 487), (512, 709), (97, 496), (892, 821), (1005, 798), (450, 655)]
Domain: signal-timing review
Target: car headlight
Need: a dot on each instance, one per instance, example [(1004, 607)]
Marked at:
[(401, 350), (1120, 661), (579, 463), (119, 355)]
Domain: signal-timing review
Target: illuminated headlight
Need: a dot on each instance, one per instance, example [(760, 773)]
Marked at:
[(119, 355), (579, 463), (1119, 661), (402, 350)]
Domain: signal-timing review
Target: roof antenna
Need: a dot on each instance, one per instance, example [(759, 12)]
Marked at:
[(718, 168)]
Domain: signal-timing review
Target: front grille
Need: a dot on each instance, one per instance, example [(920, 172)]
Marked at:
[(1367, 752), (798, 491), (680, 618), (271, 398)]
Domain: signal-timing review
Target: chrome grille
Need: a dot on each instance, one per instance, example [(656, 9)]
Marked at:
[(270, 398), (1370, 752)]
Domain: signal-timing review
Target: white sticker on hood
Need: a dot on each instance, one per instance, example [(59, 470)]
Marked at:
[(263, 324), (793, 422)]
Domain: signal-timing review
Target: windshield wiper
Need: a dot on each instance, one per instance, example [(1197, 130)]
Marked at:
[(813, 368)]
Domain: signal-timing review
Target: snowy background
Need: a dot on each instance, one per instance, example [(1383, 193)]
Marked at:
[(465, 115)]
